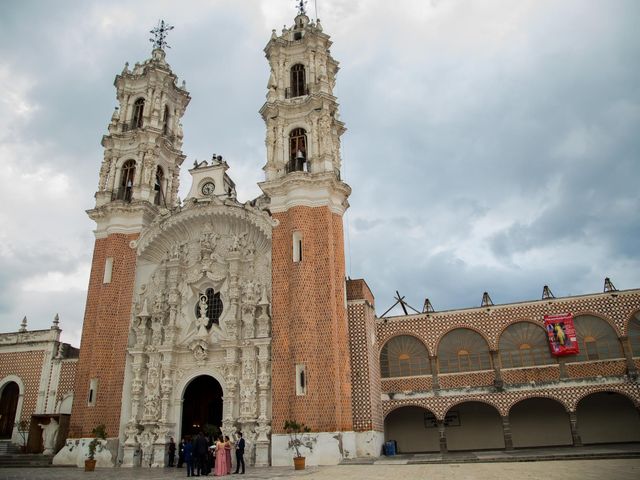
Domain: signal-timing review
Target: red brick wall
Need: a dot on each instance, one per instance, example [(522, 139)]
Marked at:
[(67, 378), (28, 367), (602, 368), (309, 321), (104, 337), (550, 373)]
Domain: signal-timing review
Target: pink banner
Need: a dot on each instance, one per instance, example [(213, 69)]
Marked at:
[(562, 334)]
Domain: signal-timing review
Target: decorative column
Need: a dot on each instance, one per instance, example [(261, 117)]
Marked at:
[(506, 431), (497, 381), (443, 436), (632, 371), (433, 361), (263, 428), (575, 435), (563, 368)]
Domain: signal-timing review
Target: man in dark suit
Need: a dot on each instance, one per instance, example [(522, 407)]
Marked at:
[(200, 451), (239, 453)]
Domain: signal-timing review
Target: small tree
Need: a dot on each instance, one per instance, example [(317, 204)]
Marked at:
[(23, 429), (99, 433), (297, 438)]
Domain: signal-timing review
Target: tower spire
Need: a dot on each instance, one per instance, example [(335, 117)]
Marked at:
[(160, 33)]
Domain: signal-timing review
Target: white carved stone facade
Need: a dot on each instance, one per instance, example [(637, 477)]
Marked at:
[(209, 243)]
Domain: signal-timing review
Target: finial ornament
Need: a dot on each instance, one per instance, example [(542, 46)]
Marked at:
[(160, 35), (302, 7), (23, 325)]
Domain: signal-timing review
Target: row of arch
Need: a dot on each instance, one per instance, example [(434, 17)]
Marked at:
[(521, 344), (602, 417)]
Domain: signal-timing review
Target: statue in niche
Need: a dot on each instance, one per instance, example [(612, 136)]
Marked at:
[(156, 331), (49, 436), (238, 242), (202, 321)]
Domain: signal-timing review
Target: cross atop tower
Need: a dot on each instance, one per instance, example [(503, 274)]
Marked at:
[(160, 35), (302, 7)]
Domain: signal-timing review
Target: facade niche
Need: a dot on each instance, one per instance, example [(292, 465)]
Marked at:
[(213, 309), (126, 181), (298, 150)]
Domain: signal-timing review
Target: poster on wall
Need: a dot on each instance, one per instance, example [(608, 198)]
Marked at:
[(562, 334)]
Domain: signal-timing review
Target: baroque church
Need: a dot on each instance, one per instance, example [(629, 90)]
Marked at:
[(210, 312)]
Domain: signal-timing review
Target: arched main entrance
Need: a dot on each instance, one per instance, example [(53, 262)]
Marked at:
[(414, 429), (201, 405), (8, 407)]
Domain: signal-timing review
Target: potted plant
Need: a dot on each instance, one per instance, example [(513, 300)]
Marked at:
[(99, 433), (297, 439), (23, 429)]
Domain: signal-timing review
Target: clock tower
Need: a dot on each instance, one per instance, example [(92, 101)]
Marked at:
[(311, 366), (138, 181)]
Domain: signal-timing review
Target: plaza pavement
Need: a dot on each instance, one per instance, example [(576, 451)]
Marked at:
[(607, 469)]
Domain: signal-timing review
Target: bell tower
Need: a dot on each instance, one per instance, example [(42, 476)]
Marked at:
[(138, 180), (311, 368)]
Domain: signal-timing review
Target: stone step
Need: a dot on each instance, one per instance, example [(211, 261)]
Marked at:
[(7, 447), (25, 460)]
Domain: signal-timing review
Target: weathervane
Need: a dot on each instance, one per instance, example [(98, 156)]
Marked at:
[(302, 4), (160, 35)]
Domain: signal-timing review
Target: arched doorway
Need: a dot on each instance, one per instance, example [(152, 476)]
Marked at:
[(8, 407), (414, 429), (539, 422), (607, 417), (201, 405), (473, 426)]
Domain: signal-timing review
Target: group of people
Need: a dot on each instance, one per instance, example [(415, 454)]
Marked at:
[(204, 455)]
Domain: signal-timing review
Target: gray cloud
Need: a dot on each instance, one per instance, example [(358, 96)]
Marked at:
[(491, 145)]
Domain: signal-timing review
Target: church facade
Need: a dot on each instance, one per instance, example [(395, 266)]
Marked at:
[(219, 315)]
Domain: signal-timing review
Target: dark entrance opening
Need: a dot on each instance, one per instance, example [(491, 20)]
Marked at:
[(202, 405), (8, 406)]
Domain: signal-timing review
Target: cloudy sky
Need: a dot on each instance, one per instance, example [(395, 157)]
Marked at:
[(491, 145)]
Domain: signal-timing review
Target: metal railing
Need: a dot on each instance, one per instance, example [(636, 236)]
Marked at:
[(293, 92)]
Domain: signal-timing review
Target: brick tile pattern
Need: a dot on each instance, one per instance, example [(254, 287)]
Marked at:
[(67, 378), (407, 384), (365, 374), (28, 367), (309, 321), (104, 337), (606, 368), (490, 322), (503, 401), (520, 376), (467, 379)]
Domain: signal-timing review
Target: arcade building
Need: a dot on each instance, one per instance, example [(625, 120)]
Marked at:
[(212, 312)]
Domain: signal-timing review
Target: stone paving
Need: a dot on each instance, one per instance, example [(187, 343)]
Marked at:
[(610, 469)]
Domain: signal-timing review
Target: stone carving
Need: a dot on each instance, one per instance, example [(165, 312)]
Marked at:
[(202, 321), (199, 348), (151, 409)]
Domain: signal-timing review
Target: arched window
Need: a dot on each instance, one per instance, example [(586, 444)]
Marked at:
[(524, 344), (126, 180), (634, 335), (297, 150), (138, 110), (298, 82), (165, 120), (403, 356), (159, 199), (463, 350), (214, 307), (597, 339)]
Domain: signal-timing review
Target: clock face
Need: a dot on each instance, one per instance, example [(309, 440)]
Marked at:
[(208, 188)]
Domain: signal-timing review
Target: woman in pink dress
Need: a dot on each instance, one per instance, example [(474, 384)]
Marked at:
[(227, 451), (221, 459)]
